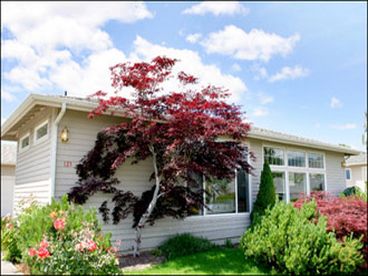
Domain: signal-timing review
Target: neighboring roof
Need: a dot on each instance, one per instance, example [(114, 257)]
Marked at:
[(83, 104), (360, 159), (8, 153)]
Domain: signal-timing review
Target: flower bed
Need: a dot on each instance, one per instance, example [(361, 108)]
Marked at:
[(60, 239)]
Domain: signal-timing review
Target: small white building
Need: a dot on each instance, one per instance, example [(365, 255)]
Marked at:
[(46, 168), (356, 171), (8, 160)]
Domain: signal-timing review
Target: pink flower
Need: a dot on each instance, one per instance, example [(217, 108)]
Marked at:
[(92, 246), (43, 253), (79, 246), (32, 252), (59, 224), (44, 243)]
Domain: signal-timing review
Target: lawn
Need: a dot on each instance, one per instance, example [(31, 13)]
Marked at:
[(217, 261)]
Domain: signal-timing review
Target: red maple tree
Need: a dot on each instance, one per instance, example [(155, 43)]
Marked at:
[(188, 132)]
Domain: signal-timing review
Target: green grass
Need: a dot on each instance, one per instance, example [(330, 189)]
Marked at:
[(216, 261)]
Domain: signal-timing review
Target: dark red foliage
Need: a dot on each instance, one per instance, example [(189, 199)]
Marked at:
[(183, 128), (345, 215)]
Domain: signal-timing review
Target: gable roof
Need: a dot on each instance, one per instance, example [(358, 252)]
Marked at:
[(8, 130), (8, 153), (360, 159)]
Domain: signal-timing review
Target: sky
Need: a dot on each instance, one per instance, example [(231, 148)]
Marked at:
[(299, 68)]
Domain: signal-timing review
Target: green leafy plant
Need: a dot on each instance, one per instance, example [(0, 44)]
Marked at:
[(295, 241), (266, 196), (10, 239), (185, 244), (62, 238)]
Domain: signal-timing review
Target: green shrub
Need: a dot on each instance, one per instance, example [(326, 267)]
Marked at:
[(62, 238), (10, 240), (266, 196), (293, 241), (354, 191), (184, 244)]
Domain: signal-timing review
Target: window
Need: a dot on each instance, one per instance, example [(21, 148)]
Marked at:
[(279, 182), (41, 132), (220, 197), (317, 182), (297, 185), (296, 159), (24, 142), (348, 174), (315, 160), (243, 191), (195, 183), (274, 156)]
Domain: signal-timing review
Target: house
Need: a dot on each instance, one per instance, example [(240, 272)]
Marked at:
[(54, 133), (356, 171), (8, 159)]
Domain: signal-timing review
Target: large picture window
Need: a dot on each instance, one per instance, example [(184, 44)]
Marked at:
[(301, 173), (220, 197)]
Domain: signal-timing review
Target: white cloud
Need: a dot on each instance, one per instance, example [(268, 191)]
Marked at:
[(236, 67), (260, 112), (260, 72), (335, 103), (344, 126), (193, 38), (46, 38), (217, 8), (289, 73), (265, 99), (254, 45), (190, 62), (7, 96)]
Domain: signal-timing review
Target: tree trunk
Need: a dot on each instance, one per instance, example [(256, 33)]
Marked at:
[(151, 206)]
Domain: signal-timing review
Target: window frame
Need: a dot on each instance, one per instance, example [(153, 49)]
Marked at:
[(350, 174), (23, 149), (43, 138), (286, 168), (236, 213)]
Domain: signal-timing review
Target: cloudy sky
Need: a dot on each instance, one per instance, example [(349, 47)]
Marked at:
[(298, 68)]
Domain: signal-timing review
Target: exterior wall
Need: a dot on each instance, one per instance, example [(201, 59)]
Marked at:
[(134, 178), (7, 188), (33, 164), (358, 177), (335, 177)]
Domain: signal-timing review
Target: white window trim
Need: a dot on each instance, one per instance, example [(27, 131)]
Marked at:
[(20, 142), (351, 174), (43, 138), (286, 169), (236, 213)]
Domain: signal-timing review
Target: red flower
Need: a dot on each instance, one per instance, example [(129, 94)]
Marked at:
[(59, 224), (32, 252), (92, 246), (43, 253), (44, 243)]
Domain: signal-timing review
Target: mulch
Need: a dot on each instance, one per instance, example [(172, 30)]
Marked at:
[(145, 260)]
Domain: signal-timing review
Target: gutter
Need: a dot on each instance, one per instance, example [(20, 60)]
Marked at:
[(54, 138)]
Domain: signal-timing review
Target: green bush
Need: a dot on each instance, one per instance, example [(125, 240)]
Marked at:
[(62, 238), (354, 191), (266, 196), (293, 241), (184, 244), (10, 239)]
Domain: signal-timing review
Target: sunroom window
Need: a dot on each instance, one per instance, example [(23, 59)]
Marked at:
[(317, 182), (274, 156), (315, 160), (296, 159), (297, 185), (279, 182)]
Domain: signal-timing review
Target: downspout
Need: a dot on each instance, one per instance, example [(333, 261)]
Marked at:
[(54, 140)]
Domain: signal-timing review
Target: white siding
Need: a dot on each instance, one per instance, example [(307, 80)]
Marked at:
[(358, 177), (134, 178), (33, 164), (7, 188), (335, 172)]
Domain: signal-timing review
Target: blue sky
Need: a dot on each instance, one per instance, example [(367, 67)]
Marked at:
[(298, 68)]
